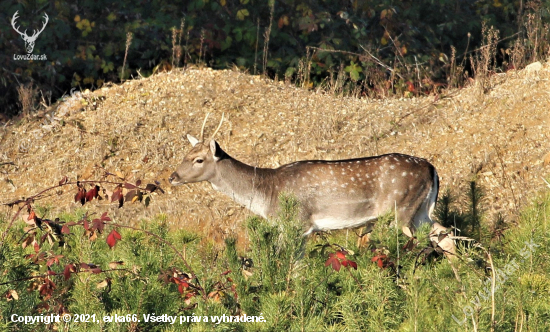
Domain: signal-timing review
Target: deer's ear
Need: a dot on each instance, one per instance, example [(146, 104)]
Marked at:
[(192, 140), (217, 152)]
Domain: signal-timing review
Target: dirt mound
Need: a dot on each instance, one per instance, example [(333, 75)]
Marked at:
[(138, 128)]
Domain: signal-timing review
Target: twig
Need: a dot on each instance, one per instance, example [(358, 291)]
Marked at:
[(380, 62), (60, 274), (491, 44)]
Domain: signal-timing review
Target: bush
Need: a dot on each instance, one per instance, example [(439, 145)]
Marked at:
[(292, 284)]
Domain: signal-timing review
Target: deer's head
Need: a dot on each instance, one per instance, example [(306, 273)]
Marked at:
[(200, 163), (29, 40)]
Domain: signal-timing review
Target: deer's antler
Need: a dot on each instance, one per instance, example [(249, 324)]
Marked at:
[(217, 129), (202, 129)]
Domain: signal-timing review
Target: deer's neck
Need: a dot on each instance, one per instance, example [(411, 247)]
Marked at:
[(247, 185)]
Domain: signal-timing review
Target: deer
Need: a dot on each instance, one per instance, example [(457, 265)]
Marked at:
[(331, 194), (29, 40)]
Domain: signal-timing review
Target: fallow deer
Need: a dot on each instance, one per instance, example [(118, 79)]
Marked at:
[(332, 194)]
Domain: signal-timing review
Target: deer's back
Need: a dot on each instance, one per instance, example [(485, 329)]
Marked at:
[(352, 190)]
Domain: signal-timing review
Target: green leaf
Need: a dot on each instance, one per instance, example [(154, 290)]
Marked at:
[(238, 34), (241, 14), (226, 43), (241, 61), (108, 50)]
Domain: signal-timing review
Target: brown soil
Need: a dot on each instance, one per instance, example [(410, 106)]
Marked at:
[(138, 129)]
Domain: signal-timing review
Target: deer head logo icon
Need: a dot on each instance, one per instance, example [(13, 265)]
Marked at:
[(29, 40)]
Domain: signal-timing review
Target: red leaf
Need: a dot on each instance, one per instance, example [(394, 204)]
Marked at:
[(333, 260), (226, 272), (32, 216), (138, 183), (69, 268), (348, 263), (80, 196), (65, 229), (151, 187), (98, 224), (129, 186), (36, 247), (341, 254), (46, 289), (63, 181), (117, 194), (130, 195), (54, 260), (104, 217), (112, 238), (92, 193), (379, 260), (116, 235), (96, 270), (180, 289)]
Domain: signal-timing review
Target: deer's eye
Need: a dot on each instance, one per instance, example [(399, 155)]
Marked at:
[(199, 160)]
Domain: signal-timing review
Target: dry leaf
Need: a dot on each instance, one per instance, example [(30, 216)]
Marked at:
[(114, 265), (103, 284)]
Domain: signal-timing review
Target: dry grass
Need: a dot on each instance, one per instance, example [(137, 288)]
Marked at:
[(139, 129), (27, 96)]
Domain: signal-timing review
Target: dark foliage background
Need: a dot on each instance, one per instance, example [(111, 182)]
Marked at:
[(85, 41)]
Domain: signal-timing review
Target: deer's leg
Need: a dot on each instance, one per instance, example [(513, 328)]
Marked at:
[(364, 236)]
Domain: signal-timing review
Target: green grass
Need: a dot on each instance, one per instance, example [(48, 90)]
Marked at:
[(288, 283)]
